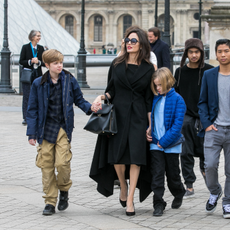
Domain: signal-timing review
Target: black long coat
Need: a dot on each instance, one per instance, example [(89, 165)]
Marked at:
[(132, 101)]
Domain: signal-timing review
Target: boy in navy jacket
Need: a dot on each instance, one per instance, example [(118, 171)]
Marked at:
[(50, 119)]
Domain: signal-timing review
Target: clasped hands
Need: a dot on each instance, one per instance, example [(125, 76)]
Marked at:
[(96, 105), (34, 60), (149, 137)]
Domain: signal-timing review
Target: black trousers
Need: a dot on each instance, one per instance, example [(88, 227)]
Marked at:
[(192, 147), (25, 99), (168, 163)]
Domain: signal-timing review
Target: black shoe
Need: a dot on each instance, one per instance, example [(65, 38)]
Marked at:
[(63, 201), (48, 210), (24, 122), (177, 202), (212, 202), (159, 209), (123, 202), (131, 213)]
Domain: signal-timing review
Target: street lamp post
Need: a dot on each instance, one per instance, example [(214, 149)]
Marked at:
[(166, 34), (5, 86), (200, 11), (81, 70), (156, 8)]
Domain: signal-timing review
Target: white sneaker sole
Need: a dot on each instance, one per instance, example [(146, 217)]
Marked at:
[(226, 216), (211, 211), (188, 197)]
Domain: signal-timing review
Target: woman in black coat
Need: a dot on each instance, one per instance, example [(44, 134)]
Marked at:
[(129, 90), (31, 58)]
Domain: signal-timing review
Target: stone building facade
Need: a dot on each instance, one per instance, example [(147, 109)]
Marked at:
[(106, 20)]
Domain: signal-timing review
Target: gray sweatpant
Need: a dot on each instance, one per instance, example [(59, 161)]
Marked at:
[(214, 142)]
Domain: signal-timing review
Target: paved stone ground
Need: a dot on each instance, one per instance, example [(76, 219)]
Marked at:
[(21, 201)]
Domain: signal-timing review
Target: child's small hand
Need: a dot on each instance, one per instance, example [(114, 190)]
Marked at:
[(159, 145), (148, 135), (32, 142)]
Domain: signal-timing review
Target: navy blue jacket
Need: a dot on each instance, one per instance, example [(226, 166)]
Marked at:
[(38, 104), (161, 50), (208, 103), (174, 112)]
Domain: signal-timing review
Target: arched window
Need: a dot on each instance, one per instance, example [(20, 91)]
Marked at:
[(98, 28), (127, 22), (161, 26), (69, 24)]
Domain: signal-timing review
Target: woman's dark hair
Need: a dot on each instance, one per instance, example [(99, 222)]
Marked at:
[(222, 42), (144, 53), (33, 34)]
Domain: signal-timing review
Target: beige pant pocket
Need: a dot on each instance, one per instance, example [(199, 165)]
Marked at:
[(38, 161)]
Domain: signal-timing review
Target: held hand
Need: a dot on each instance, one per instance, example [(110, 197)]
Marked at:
[(159, 145), (96, 104), (95, 107), (209, 128), (32, 142), (148, 134)]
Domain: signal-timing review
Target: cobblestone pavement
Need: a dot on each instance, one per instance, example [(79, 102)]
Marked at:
[(21, 201)]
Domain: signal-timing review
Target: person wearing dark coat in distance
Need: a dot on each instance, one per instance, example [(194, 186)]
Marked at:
[(31, 58), (129, 90), (159, 48)]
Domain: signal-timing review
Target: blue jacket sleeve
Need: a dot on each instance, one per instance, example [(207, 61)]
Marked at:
[(79, 99), (203, 104), (172, 134), (32, 112)]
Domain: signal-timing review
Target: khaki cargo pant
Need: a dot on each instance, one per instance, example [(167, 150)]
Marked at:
[(49, 157)]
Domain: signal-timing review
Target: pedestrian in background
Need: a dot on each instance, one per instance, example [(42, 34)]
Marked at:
[(167, 117), (50, 119), (31, 58), (129, 90), (214, 110), (188, 83), (159, 48)]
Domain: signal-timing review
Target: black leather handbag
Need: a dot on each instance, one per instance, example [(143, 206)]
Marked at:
[(103, 121), (26, 76)]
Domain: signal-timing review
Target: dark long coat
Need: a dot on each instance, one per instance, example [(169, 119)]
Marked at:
[(132, 101), (26, 55)]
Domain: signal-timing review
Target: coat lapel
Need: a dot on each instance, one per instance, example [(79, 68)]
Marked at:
[(121, 74), (141, 71)]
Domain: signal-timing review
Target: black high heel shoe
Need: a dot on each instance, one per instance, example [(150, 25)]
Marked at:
[(131, 213), (123, 203)]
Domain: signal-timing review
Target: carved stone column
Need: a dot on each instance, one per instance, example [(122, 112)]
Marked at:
[(219, 21)]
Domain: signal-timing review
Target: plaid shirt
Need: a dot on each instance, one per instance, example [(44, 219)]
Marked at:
[(55, 118)]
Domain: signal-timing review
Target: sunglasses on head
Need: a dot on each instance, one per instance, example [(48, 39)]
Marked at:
[(132, 40)]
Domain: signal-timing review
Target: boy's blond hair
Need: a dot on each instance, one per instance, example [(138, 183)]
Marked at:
[(52, 55), (166, 79)]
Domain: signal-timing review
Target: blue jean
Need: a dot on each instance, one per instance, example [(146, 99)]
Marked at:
[(214, 142)]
